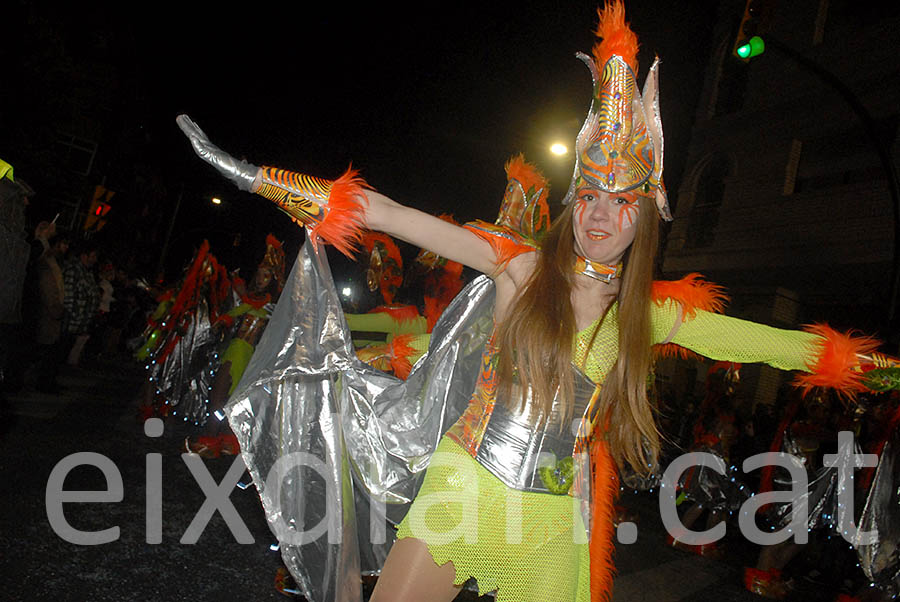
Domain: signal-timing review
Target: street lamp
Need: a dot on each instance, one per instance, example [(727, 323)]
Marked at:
[(559, 149), (216, 200)]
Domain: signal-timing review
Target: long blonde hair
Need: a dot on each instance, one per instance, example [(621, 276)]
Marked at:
[(535, 340)]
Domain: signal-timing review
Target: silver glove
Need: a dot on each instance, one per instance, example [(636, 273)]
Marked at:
[(240, 172)]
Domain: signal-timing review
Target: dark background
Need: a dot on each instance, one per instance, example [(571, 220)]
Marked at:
[(428, 102)]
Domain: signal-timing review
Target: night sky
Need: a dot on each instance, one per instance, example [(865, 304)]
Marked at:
[(428, 103)]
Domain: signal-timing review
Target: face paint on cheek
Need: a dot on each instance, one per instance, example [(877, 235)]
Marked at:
[(580, 206), (627, 216)]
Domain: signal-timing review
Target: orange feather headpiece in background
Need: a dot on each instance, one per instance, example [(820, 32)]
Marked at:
[(274, 260), (524, 207), (385, 270)]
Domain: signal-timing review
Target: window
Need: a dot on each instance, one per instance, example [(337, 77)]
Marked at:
[(704, 216)]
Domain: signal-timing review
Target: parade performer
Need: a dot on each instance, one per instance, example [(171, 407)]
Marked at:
[(809, 426), (249, 318), (706, 489), (383, 336), (533, 388), (384, 275), (180, 343), (240, 329)]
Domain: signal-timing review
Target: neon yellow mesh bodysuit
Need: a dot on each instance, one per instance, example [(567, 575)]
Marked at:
[(532, 546)]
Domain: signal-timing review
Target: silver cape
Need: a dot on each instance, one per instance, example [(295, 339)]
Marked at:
[(822, 493), (337, 449), (880, 561), (183, 379)]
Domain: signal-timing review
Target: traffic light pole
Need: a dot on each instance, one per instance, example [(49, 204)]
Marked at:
[(884, 154)]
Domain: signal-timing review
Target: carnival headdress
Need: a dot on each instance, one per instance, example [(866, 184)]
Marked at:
[(385, 271), (274, 260), (524, 207), (620, 145)]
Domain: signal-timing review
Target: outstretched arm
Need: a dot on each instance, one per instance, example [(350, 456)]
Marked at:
[(848, 363), (429, 232), (338, 210)]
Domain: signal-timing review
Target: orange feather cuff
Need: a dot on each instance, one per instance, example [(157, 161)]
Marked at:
[(836, 364), (344, 222), (506, 243), (692, 292), (669, 350)]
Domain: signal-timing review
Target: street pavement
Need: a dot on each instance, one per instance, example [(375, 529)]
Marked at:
[(96, 411)]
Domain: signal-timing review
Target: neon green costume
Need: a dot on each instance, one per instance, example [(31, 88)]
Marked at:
[(551, 559)]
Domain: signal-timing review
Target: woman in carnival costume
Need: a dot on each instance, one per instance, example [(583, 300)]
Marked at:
[(522, 450), (242, 327)]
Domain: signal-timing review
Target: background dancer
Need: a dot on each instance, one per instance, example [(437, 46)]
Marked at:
[(240, 329)]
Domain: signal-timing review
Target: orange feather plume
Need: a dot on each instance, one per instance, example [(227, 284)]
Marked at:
[(433, 310), (273, 242), (837, 357), (441, 287), (370, 238), (525, 173), (668, 350), (604, 490), (345, 221), (692, 292), (506, 250), (189, 286), (401, 352), (219, 288), (616, 38)]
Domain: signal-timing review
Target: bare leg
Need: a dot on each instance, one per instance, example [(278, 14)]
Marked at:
[(410, 575)]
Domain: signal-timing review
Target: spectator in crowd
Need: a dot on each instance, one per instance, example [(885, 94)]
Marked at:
[(43, 234), (50, 311), (14, 250), (81, 301), (103, 322)]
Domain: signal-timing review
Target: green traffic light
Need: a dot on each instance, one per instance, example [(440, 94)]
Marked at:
[(751, 48)]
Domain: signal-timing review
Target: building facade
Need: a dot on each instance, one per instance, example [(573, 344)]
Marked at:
[(789, 196)]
